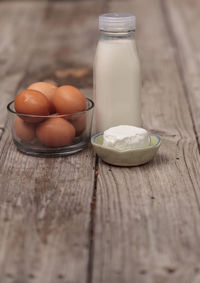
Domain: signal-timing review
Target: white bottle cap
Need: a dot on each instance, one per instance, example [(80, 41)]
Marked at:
[(117, 22)]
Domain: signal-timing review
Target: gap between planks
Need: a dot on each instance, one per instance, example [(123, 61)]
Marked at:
[(104, 7), (92, 222), (1, 132)]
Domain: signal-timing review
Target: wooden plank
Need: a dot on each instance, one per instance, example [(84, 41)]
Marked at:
[(44, 216), (45, 203), (147, 218), (185, 17), (19, 23)]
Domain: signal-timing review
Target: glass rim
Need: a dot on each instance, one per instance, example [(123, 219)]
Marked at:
[(91, 106)]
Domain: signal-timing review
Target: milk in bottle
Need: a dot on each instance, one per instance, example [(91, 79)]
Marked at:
[(117, 76)]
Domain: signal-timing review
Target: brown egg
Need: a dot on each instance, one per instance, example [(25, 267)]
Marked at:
[(25, 131), (68, 99), (79, 124), (32, 102), (47, 89), (55, 132)]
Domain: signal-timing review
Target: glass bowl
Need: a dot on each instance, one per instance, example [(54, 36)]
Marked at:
[(52, 135)]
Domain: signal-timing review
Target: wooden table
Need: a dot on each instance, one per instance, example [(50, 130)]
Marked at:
[(75, 219)]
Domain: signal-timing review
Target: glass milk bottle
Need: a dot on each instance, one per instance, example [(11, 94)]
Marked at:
[(117, 77)]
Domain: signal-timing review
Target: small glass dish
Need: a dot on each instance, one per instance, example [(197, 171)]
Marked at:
[(51, 135)]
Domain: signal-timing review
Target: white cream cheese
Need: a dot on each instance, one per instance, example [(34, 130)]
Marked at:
[(125, 137)]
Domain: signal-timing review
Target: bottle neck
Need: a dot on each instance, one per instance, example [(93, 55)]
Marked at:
[(121, 34)]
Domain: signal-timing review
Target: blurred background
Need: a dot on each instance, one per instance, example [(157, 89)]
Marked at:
[(56, 41)]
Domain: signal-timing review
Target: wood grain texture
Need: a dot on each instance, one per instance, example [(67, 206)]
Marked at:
[(143, 225), (147, 218), (184, 25), (45, 204), (19, 23), (44, 216)]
